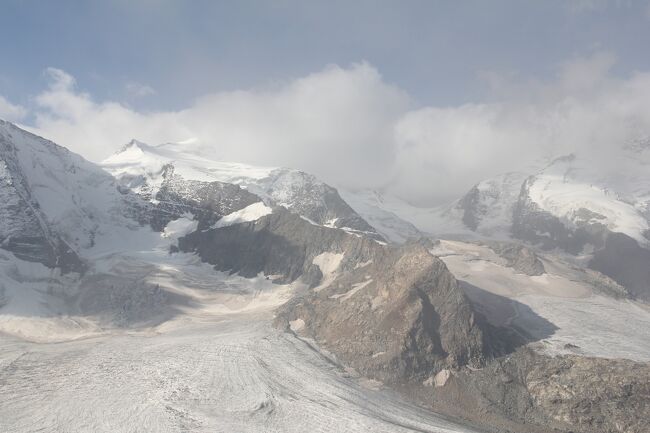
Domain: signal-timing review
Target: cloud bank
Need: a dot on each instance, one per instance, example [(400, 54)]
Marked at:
[(353, 129)]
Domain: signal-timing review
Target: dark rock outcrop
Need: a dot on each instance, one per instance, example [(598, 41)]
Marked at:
[(540, 393), (205, 201), (281, 244), (519, 257)]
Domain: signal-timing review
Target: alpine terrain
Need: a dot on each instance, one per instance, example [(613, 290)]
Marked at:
[(165, 291)]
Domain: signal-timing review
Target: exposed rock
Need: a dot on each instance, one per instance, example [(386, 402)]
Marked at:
[(281, 243), (305, 195), (532, 392), (399, 317), (522, 259), (616, 255)]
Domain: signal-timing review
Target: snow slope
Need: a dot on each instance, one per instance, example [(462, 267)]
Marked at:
[(214, 374), (252, 212)]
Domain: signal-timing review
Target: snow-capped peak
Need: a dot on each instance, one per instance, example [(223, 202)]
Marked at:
[(143, 168)]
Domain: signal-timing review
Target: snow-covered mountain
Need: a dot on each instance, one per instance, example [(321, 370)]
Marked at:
[(593, 207), (53, 203), (581, 195), (152, 171)]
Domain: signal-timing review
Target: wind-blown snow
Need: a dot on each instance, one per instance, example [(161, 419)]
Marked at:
[(251, 212)]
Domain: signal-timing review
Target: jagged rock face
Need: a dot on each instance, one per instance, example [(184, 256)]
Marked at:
[(593, 394), (616, 255), (472, 208), (396, 317), (563, 393)]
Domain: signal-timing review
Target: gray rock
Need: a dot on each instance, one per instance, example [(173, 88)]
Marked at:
[(565, 393), (519, 257)]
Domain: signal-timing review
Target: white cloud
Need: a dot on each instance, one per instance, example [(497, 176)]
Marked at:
[(9, 111), (351, 128), (134, 88), (334, 121), (60, 80)]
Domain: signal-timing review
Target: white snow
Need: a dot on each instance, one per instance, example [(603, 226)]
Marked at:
[(206, 374), (564, 199), (296, 325), (179, 228), (328, 263), (140, 159), (251, 212), (372, 207)]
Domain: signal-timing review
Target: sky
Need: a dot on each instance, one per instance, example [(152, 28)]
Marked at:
[(419, 98)]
